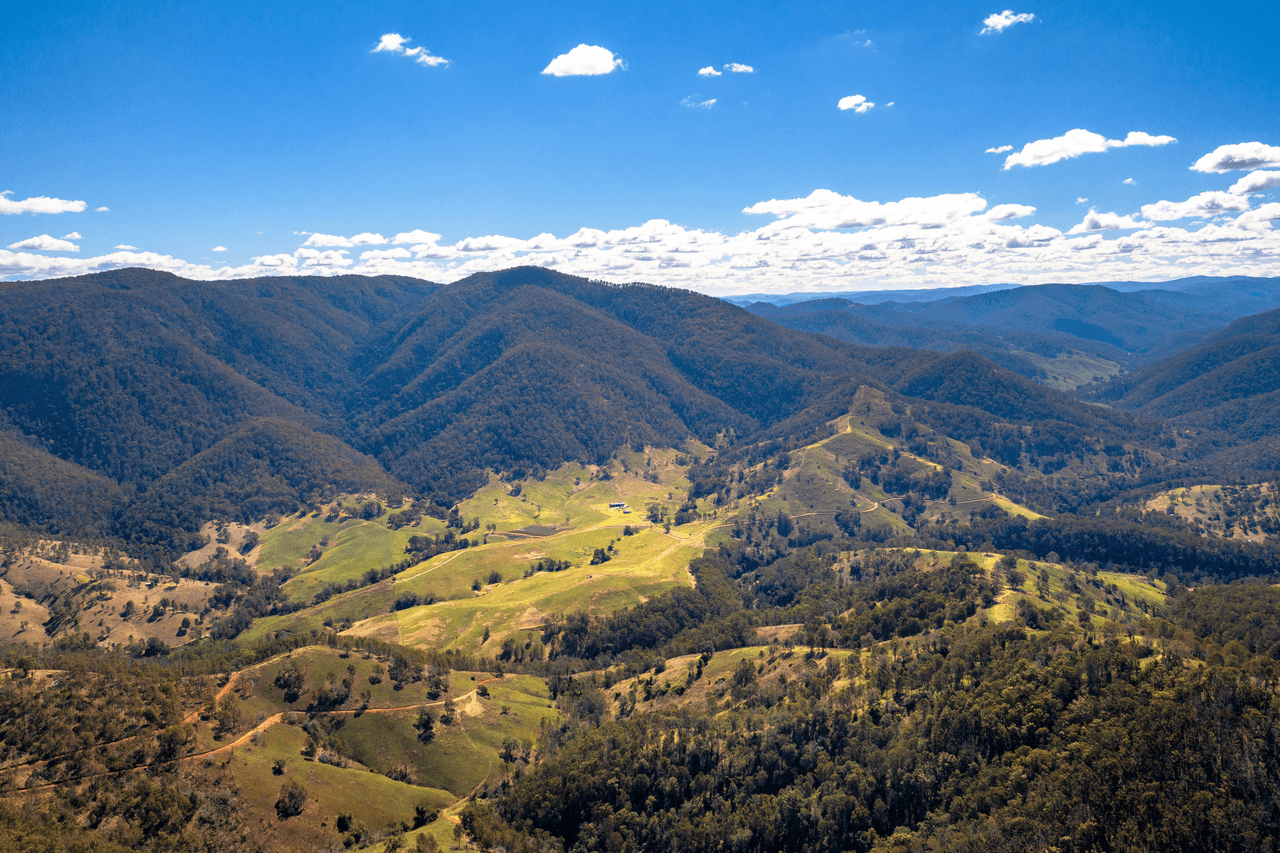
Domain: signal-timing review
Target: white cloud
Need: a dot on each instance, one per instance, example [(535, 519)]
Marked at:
[(1130, 181), (824, 241), (38, 204), (327, 240), (367, 239), (416, 236), (127, 248), (1094, 221), (315, 258), (739, 68), (1205, 204), (709, 71), (384, 254), (45, 243), (1245, 155), (1003, 20), (1001, 212), (1075, 142), (218, 249), (585, 60), (1000, 150), (279, 262), (1255, 182), (1081, 200), (103, 209), (74, 235), (827, 210), (891, 103), (1265, 213), (395, 43), (857, 103), (692, 101)]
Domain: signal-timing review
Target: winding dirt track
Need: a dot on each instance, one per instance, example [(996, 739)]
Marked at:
[(273, 720)]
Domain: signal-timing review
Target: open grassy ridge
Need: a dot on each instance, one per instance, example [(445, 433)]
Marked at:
[(814, 482)]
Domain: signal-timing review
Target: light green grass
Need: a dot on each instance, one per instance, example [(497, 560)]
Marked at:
[(375, 800), (645, 564)]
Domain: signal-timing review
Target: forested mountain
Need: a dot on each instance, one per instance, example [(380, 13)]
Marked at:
[(1022, 327), (1229, 382), (136, 377)]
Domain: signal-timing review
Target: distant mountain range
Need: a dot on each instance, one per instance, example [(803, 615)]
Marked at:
[(1062, 335)]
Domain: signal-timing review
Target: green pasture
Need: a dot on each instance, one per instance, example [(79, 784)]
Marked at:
[(376, 801), (644, 565)]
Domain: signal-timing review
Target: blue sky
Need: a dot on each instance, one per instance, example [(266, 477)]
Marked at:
[(280, 136)]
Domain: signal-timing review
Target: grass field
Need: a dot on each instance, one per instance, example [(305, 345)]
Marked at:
[(349, 547), (373, 734), (643, 565), (573, 501)]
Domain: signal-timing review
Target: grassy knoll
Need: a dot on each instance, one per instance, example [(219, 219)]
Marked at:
[(376, 801), (643, 565), (348, 547), (1072, 369)]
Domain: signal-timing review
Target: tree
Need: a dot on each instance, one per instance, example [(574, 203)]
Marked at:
[(292, 799), (425, 725)]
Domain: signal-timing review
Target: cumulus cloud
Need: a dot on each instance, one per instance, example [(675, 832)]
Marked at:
[(45, 243), (1000, 150), (1129, 181), (1001, 212), (327, 240), (384, 254), (1001, 21), (823, 241), (1081, 200), (739, 68), (827, 210), (692, 101), (857, 103), (1255, 182), (74, 235), (1094, 221), (338, 241), (127, 247), (1075, 142), (316, 258), (709, 71), (102, 209), (395, 43), (1265, 214), (416, 236), (38, 204), (1245, 155), (585, 60), (1198, 206), (218, 249)]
